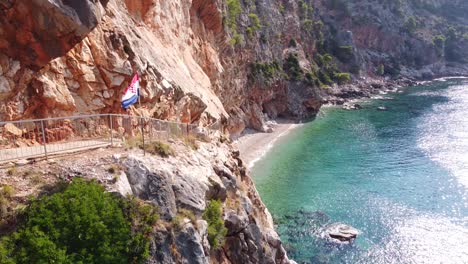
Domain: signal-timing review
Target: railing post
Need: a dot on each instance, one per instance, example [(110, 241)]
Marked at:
[(143, 136), (111, 130), (44, 139)]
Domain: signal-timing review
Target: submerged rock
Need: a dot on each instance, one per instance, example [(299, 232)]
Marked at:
[(349, 106), (382, 108), (341, 232)]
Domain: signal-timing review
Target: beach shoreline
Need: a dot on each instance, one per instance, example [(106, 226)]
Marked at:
[(254, 145)]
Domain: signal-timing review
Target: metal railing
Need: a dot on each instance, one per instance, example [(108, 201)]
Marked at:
[(43, 137)]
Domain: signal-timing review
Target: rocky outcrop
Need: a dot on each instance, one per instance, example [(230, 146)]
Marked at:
[(188, 182), (341, 232), (90, 74), (35, 32), (205, 60)]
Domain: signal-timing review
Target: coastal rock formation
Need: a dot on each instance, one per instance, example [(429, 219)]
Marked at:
[(234, 64), (188, 182), (341, 232), (206, 60)]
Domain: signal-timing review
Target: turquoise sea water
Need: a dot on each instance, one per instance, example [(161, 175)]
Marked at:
[(399, 176)]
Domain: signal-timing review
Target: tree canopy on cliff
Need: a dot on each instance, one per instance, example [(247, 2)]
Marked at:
[(82, 224)]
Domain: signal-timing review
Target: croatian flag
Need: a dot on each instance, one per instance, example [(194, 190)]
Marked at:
[(132, 93)]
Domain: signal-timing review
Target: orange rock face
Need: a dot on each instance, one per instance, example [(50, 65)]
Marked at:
[(59, 59), (34, 32)]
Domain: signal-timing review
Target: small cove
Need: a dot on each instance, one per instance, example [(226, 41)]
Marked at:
[(400, 176)]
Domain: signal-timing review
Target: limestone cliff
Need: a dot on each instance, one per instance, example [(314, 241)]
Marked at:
[(241, 62), (187, 182), (236, 62)]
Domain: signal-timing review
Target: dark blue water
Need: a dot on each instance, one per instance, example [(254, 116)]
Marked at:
[(399, 176)]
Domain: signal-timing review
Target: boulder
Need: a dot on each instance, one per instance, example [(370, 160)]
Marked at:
[(13, 130), (341, 232), (351, 106)]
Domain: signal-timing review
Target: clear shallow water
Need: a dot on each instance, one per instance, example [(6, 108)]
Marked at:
[(399, 176)]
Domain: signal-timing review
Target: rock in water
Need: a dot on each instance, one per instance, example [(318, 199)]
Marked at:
[(382, 108), (350, 106), (341, 232)]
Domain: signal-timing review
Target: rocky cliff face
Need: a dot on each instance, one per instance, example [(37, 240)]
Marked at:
[(236, 62), (187, 182), (180, 185), (242, 62)]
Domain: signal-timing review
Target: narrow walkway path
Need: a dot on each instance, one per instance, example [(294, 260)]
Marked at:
[(7, 155)]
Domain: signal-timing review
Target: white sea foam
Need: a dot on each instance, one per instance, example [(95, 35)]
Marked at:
[(444, 79)]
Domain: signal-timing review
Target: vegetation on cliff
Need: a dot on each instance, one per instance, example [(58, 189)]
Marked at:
[(216, 230), (81, 224)]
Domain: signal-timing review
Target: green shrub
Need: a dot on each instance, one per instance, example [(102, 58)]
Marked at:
[(439, 40), (281, 9), (327, 58), (439, 44), (237, 39), (255, 21), (342, 77), (82, 224), (234, 9), (292, 43), (159, 148), (216, 230), (142, 216), (324, 77), (311, 78), (250, 32), (381, 70), (264, 71), (291, 66), (12, 171), (411, 24), (344, 53), (8, 191)]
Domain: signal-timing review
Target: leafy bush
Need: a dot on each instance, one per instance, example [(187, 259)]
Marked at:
[(216, 230), (381, 70), (411, 24), (292, 43), (234, 9), (342, 77), (82, 224), (7, 191), (143, 217), (344, 53), (159, 148), (311, 78), (250, 32), (237, 39), (291, 66), (255, 21), (324, 77), (439, 44), (264, 71), (281, 9), (12, 171), (308, 24)]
